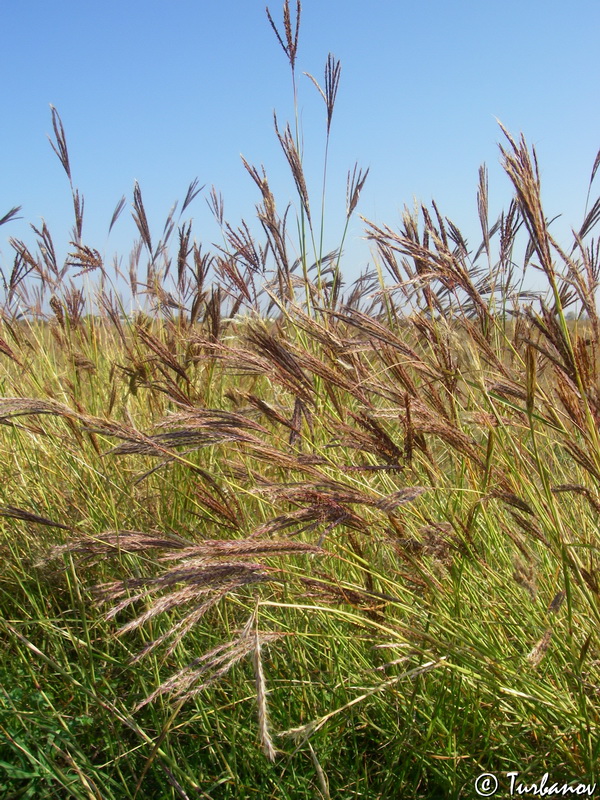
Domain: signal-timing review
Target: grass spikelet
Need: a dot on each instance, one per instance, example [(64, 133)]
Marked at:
[(266, 740), (540, 649), (11, 512), (524, 575), (289, 40), (288, 145)]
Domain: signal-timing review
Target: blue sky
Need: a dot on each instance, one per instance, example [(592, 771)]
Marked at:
[(162, 92)]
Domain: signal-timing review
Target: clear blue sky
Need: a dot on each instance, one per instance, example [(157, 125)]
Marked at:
[(162, 92)]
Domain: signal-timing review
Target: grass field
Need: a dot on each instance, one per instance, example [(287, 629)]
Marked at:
[(275, 536)]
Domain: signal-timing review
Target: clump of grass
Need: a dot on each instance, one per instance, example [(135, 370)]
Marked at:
[(374, 514)]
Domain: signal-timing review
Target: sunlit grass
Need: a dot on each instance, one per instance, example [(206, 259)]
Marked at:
[(271, 536)]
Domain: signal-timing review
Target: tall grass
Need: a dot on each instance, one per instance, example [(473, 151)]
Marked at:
[(273, 536)]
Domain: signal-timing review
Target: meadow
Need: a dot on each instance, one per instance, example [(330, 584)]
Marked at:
[(274, 535)]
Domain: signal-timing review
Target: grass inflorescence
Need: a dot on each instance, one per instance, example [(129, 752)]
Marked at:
[(271, 535)]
